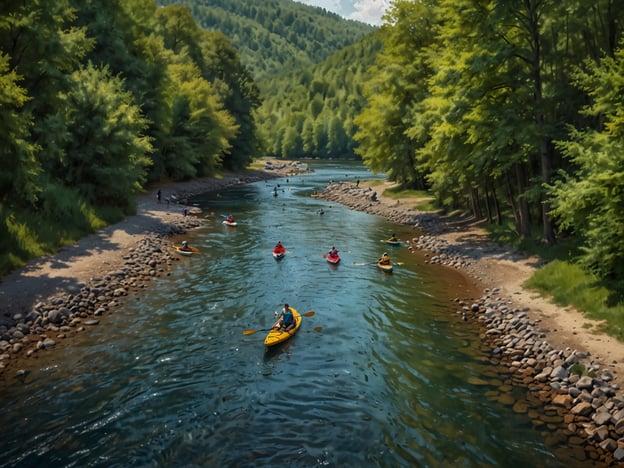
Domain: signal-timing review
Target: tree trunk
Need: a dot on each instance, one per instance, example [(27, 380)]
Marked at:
[(544, 143), (524, 227), (488, 208), (499, 216), (474, 201), (549, 230)]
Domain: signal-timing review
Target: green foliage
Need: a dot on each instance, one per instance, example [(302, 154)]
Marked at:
[(568, 284), (505, 233), (63, 218), (397, 86), (591, 200), (320, 104), (106, 155), (581, 370), (276, 35), (20, 171)]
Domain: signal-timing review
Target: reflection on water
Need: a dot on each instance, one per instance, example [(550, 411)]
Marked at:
[(383, 374)]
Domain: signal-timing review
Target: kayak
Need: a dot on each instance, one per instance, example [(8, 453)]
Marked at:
[(333, 260), (187, 252), (230, 223), (385, 267), (278, 336), (392, 242), (278, 254)]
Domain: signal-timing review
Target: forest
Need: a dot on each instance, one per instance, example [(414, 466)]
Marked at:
[(101, 99), (505, 109)]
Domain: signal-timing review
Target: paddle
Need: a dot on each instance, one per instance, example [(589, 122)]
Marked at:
[(251, 332), (375, 263)]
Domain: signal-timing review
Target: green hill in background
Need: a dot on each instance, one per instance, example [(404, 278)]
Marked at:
[(276, 36)]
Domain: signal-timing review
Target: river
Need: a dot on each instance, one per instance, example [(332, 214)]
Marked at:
[(384, 373)]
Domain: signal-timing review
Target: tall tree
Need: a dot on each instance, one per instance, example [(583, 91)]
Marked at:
[(590, 201), (397, 86), (106, 152), (19, 178)]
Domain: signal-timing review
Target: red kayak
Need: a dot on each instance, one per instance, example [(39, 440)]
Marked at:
[(279, 253), (333, 259)]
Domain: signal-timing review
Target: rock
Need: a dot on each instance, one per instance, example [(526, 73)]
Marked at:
[(48, 343), (582, 409), (601, 417), (585, 383), (563, 400), (559, 373)]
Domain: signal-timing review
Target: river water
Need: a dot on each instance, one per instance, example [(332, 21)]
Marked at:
[(384, 373)]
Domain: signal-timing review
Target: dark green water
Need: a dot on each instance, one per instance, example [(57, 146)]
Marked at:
[(383, 374)]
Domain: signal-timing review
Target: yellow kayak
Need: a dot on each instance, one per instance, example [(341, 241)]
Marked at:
[(385, 267), (187, 252), (278, 336)]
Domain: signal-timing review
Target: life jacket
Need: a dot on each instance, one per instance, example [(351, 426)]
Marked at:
[(288, 318)]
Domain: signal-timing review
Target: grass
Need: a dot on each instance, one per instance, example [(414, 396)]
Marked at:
[(568, 284), (424, 201), (25, 234), (505, 234), (564, 280)]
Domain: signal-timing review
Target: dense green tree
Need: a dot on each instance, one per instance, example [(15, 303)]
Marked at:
[(105, 151), (324, 95), (19, 178), (276, 35), (590, 201), (201, 131), (239, 94), (394, 93)]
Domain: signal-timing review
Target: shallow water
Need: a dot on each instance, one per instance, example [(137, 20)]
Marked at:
[(383, 374)]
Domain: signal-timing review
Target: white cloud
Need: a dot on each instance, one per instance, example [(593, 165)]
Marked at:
[(369, 11)]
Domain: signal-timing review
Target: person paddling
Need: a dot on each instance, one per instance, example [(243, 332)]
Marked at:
[(286, 319), (384, 259)]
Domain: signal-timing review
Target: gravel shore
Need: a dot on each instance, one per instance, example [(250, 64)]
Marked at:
[(573, 391)]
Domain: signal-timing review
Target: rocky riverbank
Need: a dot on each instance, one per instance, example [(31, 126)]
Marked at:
[(573, 395), (55, 298)]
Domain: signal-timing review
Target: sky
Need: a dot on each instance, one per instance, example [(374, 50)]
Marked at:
[(367, 11)]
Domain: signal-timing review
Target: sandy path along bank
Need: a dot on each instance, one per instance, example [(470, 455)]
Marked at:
[(101, 267)]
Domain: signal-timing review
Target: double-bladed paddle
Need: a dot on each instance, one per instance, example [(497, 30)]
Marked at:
[(251, 332)]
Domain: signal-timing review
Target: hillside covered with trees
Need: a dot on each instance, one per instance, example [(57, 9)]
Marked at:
[(310, 113), (274, 37)]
